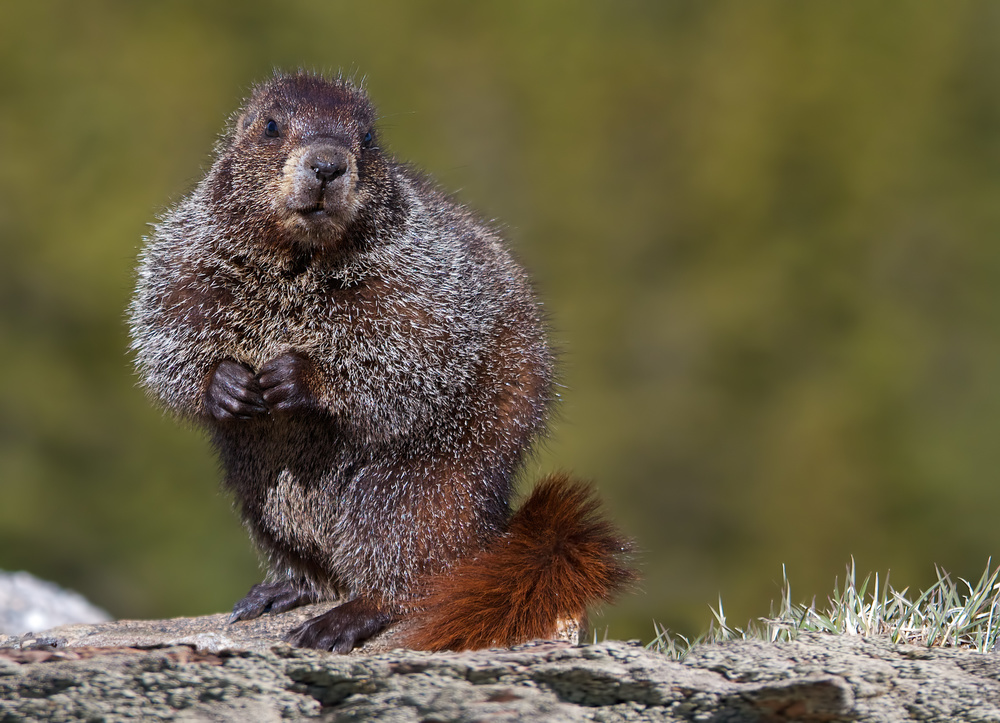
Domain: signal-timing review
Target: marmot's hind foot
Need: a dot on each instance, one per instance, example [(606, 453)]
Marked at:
[(344, 627)]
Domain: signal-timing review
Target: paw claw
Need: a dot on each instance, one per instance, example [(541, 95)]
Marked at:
[(273, 597)]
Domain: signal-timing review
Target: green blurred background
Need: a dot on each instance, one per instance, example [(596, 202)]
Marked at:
[(766, 233)]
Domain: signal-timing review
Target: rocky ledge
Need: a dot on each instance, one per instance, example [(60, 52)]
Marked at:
[(202, 669)]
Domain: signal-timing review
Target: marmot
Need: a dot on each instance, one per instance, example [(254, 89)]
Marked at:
[(372, 367)]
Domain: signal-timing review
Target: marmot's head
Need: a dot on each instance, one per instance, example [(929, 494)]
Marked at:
[(300, 165)]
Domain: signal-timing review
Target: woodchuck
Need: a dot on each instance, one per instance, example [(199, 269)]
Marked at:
[(372, 367)]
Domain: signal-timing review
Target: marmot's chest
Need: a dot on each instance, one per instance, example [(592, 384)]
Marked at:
[(271, 316), (369, 320)]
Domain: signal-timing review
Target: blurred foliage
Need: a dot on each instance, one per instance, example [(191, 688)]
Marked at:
[(765, 233)]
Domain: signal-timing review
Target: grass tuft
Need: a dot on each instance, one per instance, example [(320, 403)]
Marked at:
[(949, 613)]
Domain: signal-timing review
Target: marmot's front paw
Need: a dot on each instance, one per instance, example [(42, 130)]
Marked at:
[(273, 597), (233, 393), (284, 383)]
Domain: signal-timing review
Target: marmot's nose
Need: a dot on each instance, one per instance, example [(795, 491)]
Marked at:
[(327, 170)]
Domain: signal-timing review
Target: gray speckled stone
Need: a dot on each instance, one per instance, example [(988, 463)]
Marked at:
[(249, 676)]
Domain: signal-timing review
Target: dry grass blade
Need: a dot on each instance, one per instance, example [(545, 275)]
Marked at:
[(946, 614)]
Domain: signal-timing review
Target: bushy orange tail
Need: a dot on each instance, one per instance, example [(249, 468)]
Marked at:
[(558, 557)]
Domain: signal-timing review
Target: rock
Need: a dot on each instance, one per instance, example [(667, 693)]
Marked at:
[(206, 634), (27, 603), (242, 673)]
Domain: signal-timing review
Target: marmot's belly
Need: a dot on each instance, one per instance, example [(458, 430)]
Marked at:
[(298, 515), (287, 476)]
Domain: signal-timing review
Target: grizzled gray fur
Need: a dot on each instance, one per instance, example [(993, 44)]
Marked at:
[(369, 361)]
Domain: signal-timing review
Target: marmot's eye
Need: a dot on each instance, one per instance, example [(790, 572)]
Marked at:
[(271, 129), (367, 142)]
